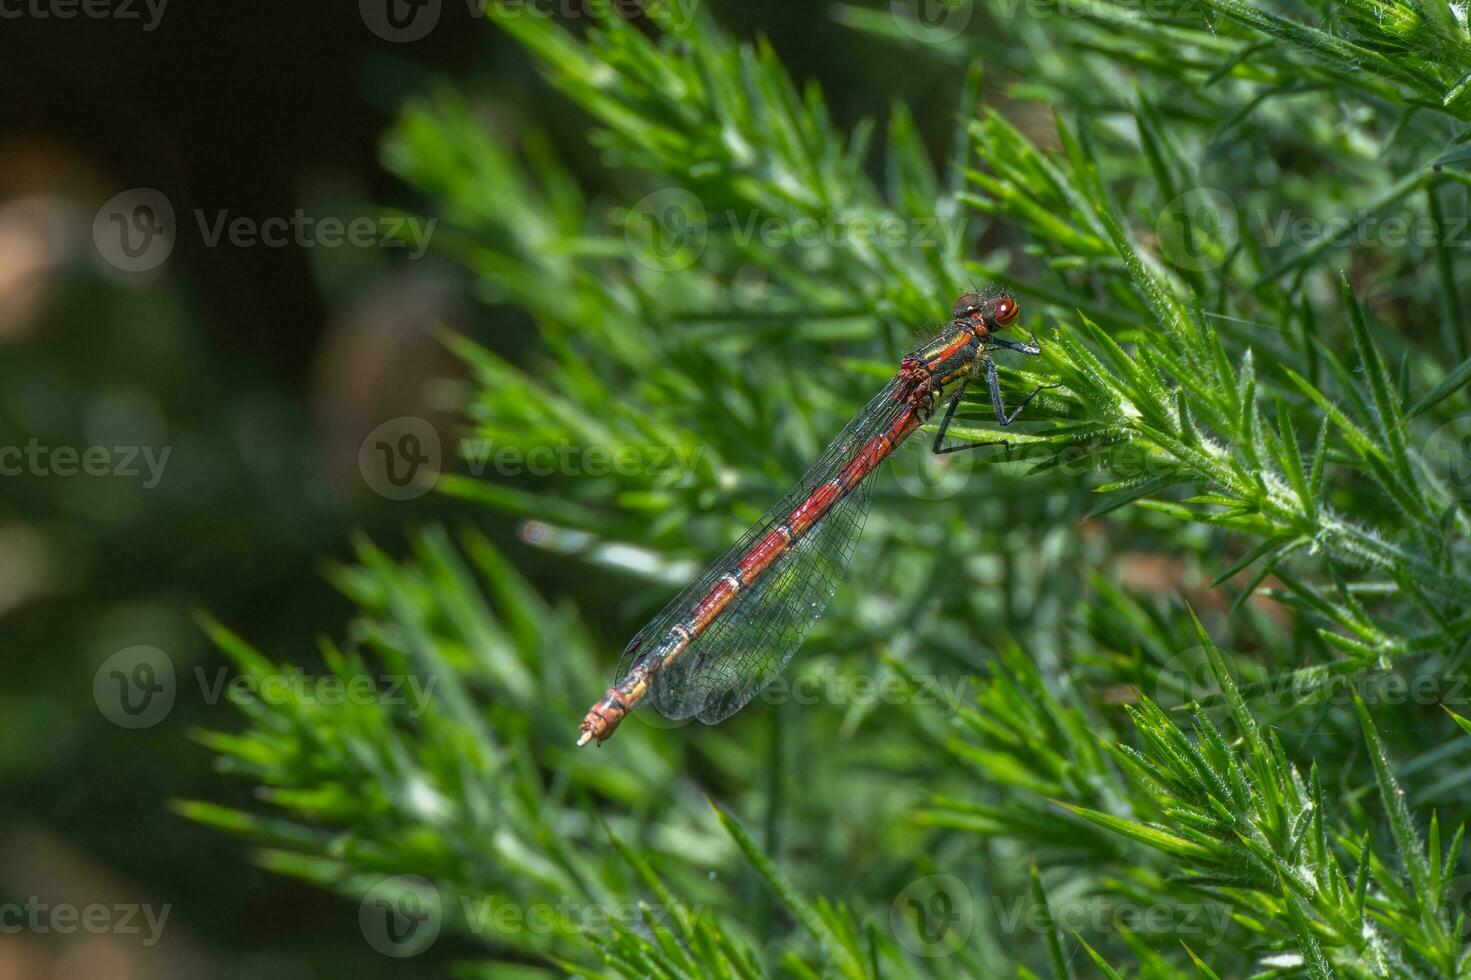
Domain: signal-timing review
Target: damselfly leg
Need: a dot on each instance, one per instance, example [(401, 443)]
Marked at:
[(998, 404), (1031, 350)]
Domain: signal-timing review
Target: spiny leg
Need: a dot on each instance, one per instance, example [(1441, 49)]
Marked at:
[(1031, 350), (938, 447), (996, 403)]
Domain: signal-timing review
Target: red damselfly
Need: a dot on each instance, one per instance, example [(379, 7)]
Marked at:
[(722, 639)]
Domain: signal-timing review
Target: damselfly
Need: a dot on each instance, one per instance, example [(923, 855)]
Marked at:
[(722, 639)]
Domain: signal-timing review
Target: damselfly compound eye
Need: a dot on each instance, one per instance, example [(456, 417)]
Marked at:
[(1006, 310)]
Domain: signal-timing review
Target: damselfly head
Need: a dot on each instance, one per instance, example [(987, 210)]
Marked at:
[(994, 307)]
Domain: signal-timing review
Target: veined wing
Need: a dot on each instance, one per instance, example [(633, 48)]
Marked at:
[(768, 589)]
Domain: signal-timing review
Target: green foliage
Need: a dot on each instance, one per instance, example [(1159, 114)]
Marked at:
[(1266, 424)]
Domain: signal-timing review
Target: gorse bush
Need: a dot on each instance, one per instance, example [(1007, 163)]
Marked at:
[(1169, 685)]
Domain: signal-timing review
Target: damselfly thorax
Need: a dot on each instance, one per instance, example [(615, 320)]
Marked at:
[(721, 640)]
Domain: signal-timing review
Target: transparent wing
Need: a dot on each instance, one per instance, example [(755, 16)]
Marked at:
[(742, 651), (751, 641)]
